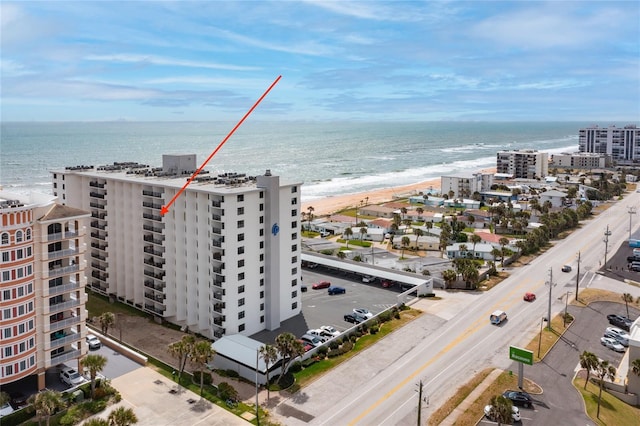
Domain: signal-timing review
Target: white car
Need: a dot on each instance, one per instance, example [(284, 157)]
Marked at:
[(368, 278), (318, 333), (515, 412), (363, 312), (330, 331), (71, 377), (6, 409), (311, 339), (619, 334), (612, 344), (93, 342)]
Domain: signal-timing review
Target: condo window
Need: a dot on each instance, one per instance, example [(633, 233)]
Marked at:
[(241, 224), (294, 201), (262, 306), (18, 236), (240, 237), (294, 294), (241, 302), (294, 224), (261, 257), (294, 282), (294, 259), (240, 210), (240, 263), (261, 233), (294, 189), (241, 289), (240, 328), (294, 236), (261, 318), (294, 305), (240, 197), (261, 207), (294, 213), (294, 247), (294, 271), (262, 296), (261, 194), (241, 250), (262, 269), (240, 314), (241, 276), (5, 238), (261, 220)]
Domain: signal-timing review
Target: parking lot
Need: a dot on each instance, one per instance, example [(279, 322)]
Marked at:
[(319, 308)]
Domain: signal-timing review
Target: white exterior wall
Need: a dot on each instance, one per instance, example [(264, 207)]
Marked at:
[(199, 250)]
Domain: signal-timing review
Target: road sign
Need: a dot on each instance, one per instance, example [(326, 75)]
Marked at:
[(521, 355)]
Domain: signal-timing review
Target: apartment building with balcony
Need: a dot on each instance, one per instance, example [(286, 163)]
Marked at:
[(621, 144), (523, 164), (580, 160), (464, 185), (224, 260), (42, 280)]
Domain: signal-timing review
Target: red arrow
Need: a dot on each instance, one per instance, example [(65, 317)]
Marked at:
[(165, 208)]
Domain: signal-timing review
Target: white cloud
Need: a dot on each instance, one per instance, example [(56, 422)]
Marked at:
[(159, 60)]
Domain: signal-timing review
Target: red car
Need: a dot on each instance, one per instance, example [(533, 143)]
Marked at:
[(321, 284), (387, 283), (529, 297)]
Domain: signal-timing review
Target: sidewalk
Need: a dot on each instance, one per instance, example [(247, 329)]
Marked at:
[(469, 400)]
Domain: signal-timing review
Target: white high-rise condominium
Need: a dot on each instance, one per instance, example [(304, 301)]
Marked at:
[(224, 259), (621, 144), (42, 279), (523, 164)]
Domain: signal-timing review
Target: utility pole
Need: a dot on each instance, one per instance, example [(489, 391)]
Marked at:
[(606, 245), (257, 389), (631, 211), (550, 288), (419, 402), (578, 277)]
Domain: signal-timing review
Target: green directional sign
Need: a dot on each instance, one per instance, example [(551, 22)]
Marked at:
[(521, 355)]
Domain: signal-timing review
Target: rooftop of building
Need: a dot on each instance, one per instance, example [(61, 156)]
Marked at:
[(13, 200)]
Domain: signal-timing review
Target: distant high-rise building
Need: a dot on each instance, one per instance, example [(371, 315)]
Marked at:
[(524, 164), (464, 185), (42, 304), (580, 160), (225, 259), (620, 144)]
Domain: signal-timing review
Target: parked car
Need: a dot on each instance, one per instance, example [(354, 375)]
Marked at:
[(620, 321), (6, 409), (321, 284), (329, 331), (18, 400), (319, 333), (303, 288), (519, 398), (70, 376), (633, 258), (387, 283), (515, 413), (612, 344), (368, 278), (566, 268), (529, 297), (93, 342), (336, 290), (307, 346), (354, 318), (617, 334), (311, 339), (363, 312)]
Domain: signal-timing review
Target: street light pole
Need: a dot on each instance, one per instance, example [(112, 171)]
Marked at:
[(578, 277), (631, 211), (550, 288), (606, 245), (540, 337), (566, 303)]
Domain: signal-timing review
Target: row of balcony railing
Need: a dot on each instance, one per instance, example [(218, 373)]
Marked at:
[(57, 254), (64, 305), (152, 229), (94, 184), (98, 256), (150, 261), (99, 246), (155, 286), (64, 323), (153, 308), (65, 356), (150, 250), (95, 205), (94, 194), (150, 216), (61, 270), (62, 235), (151, 205), (152, 194), (98, 225), (150, 239), (63, 288)]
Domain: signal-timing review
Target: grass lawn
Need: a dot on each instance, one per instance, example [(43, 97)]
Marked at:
[(589, 295), (612, 410), (98, 304)]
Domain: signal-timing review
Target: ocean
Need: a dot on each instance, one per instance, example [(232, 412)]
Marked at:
[(331, 158)]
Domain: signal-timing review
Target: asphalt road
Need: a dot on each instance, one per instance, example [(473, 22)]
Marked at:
[(445, 354)]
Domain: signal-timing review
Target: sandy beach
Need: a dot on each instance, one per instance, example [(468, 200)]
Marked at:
[(329, 205)]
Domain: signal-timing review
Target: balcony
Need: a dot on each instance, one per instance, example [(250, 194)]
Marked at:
[(57, 307), (63, 288), (98, 275), (219, 334), (65, 356), (98, 286), (62, 235), (99, 215), (154, 309), (217, 270), (93, 194), (152, 285), (218, 295), (99, 236), (65, 323), (218, 307), (99, 246), (149, 261), (98, 256), (158, 276), (62, 253), (94, 184), (65, 339), (151, 205), (150, 216), (217, 204), (99, 266), (216, 230), (152, 194), (216, 217), (97, 225), (62, 270), (94, 205), (152, 229), (150, 250), (150, 239), (218, 321)]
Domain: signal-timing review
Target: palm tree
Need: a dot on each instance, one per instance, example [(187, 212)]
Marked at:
[(96, 421), (95, 364), (310, 210), (462, 249), (341, 255), (269, 354), (495, 252), (363, 232), (182, 350), (405, 243), (429, 226), (503, 241), (475, 239), (348, 233), (46, 404), (588, 361), (107, 319), (627, 298), (449, 276), (201, 354), (419, 210), (501, 409), (122, 417), (604, 371), (418, 233), (289, 348), (635, 367)]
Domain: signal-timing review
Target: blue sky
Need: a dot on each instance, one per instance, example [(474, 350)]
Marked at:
[(388, 60)]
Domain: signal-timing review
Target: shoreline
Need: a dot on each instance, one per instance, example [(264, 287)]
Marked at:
[(332, 204)]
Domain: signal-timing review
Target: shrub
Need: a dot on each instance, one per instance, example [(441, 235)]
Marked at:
[(322, 351), (231, 373), (73, 415), (307, 362), (374, 329), (100, 393), (385, 316), (346, 346), (334, 344), (334, 353), (206, 377), (295, 367), (353, 338), (226, 391), (396, 315)]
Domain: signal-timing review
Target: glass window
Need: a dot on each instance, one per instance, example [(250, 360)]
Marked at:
[(294, 213), (7, 332), (241, 302), (4, 238), (18, 236), (241, 197), (241, 289), (294, 305), (240, 237), (240, 314), (28, 233), (240, 211), (240, 328), (240, 263), (241, 276), (241, 224), (262, 295), (294, 294), (5, 256), (8, 351)]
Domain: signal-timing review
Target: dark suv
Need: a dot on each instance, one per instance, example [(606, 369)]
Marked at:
[(620, 321), (519, 398)]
